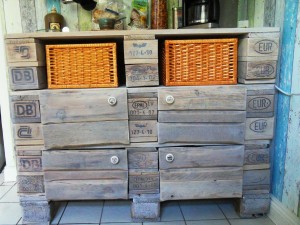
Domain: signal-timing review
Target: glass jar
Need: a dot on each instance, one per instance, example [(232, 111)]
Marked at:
[(159, 14)]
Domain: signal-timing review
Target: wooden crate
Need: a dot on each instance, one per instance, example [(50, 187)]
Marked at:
[(142, 75), (27, 78)]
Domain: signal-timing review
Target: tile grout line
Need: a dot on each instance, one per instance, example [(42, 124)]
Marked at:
[(7, 192), (63, 213), (19, 221), (222, 212), (101, 212), (181, 213)]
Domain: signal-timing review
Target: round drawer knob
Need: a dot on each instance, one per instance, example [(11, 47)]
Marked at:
[(169, 157), (114, 160), (112, 100), (170, 99)]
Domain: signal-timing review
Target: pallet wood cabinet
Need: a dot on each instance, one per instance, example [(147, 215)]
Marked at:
[(149, 144)]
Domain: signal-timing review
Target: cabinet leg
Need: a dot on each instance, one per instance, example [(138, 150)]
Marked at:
[(145, 207), (36, 210), (253, 205)]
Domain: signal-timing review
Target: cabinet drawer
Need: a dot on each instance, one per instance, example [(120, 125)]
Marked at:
[(205, 183), (203, 133), (195, 157), (202, 98), (83, 105), (85, 185), (85, 160), (85, 134)]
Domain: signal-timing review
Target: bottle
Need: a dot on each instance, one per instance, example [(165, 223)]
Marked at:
[(54, 21), (159, 17)]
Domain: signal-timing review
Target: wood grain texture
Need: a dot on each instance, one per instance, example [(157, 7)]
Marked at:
[(29, 163), (27, 78), (201, 133), (142, 108), (143, 130), (29, 22), (259, 128), (138, 159), (40, 11), (194, 116), (29, 150), (256, 179), (260, 106), (205, 97), (257, 144), (82, 105), (70, 185), (257, 156), (28, 134), (140, 61), (257, 70), (84, 19), (200, 183), (86, 134), (254, 47), (197, 157), (84, 160), (143, 182), (140, 49), (69, 12), (142, 75)]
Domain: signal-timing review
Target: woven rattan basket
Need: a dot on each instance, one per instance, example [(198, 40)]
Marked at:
[(82, 65), (199, 62)]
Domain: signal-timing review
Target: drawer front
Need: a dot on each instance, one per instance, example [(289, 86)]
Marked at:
[(201, 133), (85, 160), (86, 134), (202, 98), (83, 105), (195, 157), (86, 185), (222, 182)]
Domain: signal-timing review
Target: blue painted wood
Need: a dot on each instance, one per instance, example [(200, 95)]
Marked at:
[(55, 3), (284, 82)]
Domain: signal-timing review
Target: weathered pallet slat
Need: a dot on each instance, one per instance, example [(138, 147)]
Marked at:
[(259, 128), (29, 163), (138, 159), (28, 134), (256, 180), (143, 130), (141, 75), (257, 156), (29, 150), (86, 134), (142, 108), (84, 159), (143, 181), (82, 105), (206, 98), (201, 133), (140, 49)]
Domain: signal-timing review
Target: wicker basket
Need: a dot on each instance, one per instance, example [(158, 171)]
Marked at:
[(199, 62), (82, 65)]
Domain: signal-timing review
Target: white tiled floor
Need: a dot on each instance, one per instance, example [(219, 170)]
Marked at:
[(118, 212)]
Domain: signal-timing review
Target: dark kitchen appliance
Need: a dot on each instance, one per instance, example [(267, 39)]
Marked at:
[(200, 13)]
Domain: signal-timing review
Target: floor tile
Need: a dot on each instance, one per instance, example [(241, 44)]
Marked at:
[(1, 178), (11, 195), (82, 212), (258, 221), (228, 209), (206, 222), (121, 223), (10, 213), (4, 190), (116, 212), (165, 223), (200, 210), (59, 212), (170, 211)]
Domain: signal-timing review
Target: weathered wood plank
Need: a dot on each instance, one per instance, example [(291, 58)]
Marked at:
[(141, 75), (259, 128), (254, 47), (257, 156), (143, 182), (29, 163), (143, 130), (142, 108), (28, 134), (30, 183), (25, 109), (26, 78), (257, 167), (257, 70), (138, 159), (69, 12), (256, 179), (205, 97), (260, 106), (140, 49), (195, 157), (200, 183), (29, 22), (264, 81), (140, 61), (70, 186), (86, 134), (29, 150), (204, 133), (84, 19), (186, 116), (82, 105), (84, 160), (257, 144), (139, 37)]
